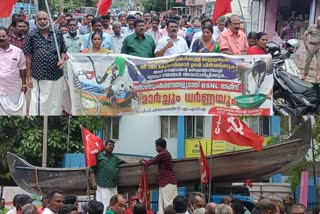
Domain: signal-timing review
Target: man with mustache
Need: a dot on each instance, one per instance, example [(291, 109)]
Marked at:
[(154, 30), (106, 24), (127, 30), (44, 68), (233, 41), (139, 43), (172, 43), (12, 82), (17, 33), (72, 37)]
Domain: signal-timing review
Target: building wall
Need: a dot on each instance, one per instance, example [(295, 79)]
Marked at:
[(318, 9), (138, 134)]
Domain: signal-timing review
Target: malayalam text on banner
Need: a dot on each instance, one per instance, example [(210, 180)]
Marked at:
[(188, 84)]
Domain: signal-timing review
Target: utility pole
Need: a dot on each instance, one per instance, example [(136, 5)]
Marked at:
[(45, 141)]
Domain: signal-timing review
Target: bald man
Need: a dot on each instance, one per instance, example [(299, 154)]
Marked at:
[(211, 207), (233, 41), (44, 68)]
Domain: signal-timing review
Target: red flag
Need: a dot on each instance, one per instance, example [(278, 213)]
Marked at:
[(222, 7), (143, 191), (92, 146), (204, 167), (6, 7), (104, 6), (235, 131)]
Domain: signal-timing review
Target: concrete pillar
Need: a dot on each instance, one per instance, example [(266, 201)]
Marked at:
[(181, 137), (318, 8), (271, 15), (312, 12)]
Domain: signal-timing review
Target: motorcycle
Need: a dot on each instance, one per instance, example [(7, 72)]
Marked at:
[(292, 95), (282, 57)]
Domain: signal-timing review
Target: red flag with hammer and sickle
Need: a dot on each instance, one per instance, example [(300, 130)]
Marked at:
[(235, 131)]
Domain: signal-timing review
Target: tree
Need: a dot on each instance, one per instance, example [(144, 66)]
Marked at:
[(295, 173), (147, 5), (23, 136)]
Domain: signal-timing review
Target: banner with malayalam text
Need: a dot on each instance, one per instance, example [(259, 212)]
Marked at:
[(188, 84)]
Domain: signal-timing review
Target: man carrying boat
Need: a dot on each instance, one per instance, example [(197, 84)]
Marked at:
[(104, 176), (167, 177)]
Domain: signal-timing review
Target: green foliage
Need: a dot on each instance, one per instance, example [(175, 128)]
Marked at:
[(295, 173), (23, 136), (119, 4), (273, 140), (147, 4), (68, 5), (316, 136)]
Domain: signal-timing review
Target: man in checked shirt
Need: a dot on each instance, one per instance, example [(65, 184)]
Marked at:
[(167, 177)]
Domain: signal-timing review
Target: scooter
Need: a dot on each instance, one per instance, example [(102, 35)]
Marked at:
[(301, 98), (291, 96), (283, 57)]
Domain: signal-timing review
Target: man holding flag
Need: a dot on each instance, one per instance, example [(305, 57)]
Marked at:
[(167, 177), (104, 176)]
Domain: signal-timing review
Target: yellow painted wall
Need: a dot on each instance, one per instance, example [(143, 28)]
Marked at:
[(192, 146)]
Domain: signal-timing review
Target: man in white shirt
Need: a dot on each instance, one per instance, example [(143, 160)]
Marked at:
[(55, 202), (154, 31), (128, 30), (217, 30), (117, 36), (172, 43)]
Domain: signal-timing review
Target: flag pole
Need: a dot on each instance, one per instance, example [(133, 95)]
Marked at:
[(210, 163), (53, 30), (87, 168), (201, 187), (241, 9), (98, 7)]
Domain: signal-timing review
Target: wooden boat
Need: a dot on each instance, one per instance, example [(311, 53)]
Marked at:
[(227, 167), (90, 90)]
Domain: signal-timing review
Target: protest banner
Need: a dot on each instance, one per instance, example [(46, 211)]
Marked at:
[(188, 84)]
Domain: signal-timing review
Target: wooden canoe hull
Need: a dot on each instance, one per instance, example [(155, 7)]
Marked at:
[(227, 167)]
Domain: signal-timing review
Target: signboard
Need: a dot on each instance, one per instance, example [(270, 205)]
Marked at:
[(218, 147), (189, 84)]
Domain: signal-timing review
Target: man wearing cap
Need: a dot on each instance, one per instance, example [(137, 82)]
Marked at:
[(312, 46)]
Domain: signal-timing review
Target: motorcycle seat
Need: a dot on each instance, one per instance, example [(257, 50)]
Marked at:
[(294, 83)]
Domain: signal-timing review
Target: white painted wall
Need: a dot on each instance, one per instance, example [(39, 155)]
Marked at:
[(138, 134)]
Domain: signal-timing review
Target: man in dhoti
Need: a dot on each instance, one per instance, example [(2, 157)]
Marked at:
[(12, 84), (44, 68), (166, 175)]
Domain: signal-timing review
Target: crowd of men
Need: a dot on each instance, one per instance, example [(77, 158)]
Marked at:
[(55, 202), (33, 56)]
